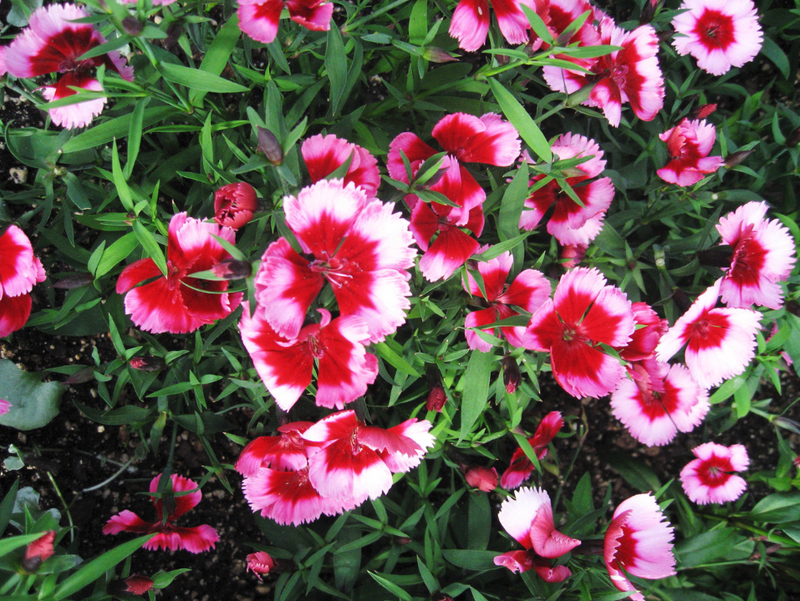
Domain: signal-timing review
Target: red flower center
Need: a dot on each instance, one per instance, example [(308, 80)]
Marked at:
[(715, 30)]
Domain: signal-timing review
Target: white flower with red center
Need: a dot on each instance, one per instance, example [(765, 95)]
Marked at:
[(638, 541), (529, 290), (20, 271), (710, 477), (356, 461), (763, 254), (325, 154), (259, 18), (630, 75), (470, 23), (285, 365), (178, 302), (358, 245), (659, 401), (689, 143), (53, 43), (720, 34), (584, 314), (572, 223), (528, 518), (521, 468), (719, 342), (284, 452)]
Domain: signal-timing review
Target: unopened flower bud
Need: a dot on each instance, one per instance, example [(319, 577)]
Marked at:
[(437, 55), (437, 397), (132, 26), (74, 280), (269, 146), (681, 299), (174, 31), (703, 111), (80, 377), (572, 255), (148, 363), (260, 563), (794, 138), (38, 551), (649, 11), (402, 540), (482, 478), (233, 269), (138, 585), (234, 204), (511, 375), (737, 157)]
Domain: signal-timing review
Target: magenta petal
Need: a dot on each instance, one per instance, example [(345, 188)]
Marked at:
[(470, 24), (516, 561), (196, 539), (545, 539), (448, 252)]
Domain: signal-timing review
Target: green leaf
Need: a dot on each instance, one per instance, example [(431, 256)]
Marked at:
[(33, 403), (218, 54), (120, 181), (390, 586), (197, 80), (7, 506), (476, 389), (774, 53), (151, 247), (116, 128), (513, 203), (520, 119), (386, 353), (634, 471), (706, 547), (479, 528), (471, 559), (116, 253), (7, 545), (336, 66), (135, 135), (777, 508)]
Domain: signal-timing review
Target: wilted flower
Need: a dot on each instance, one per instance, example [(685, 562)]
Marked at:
[(38, 551), (234, 204), (482, 478), (709, 478), (260, 563)]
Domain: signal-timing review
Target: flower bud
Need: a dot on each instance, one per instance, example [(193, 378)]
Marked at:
[(132, 26), (511, 375), (233, 269), (737, 157), (138, 585), (437, 55), (148, 364), (234, 204), (572, 255), (270, 147), (38, 551), (174, 31), (74, 280), (649, 11), (437, 397), (260, 563), (703, 111), (482, 478)]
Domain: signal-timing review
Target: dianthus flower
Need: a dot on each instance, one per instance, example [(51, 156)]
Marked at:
[(234, 204), (325, 154), (521, 467), (20, 270), (688, 144), (529, 290), (260, 563), (52, 43), (481, 477), (583, 314), (763, 254), (287, 451), (710, 478), (470, 23), (259, 18), (168, 536), (719, 342), (639, 541), (358, 245), (177, 302), (720, 34)]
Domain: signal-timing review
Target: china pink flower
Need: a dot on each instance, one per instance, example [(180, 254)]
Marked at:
[(358, 245), (259, 18), (138, 585), (720, 34), (287, 451), (521, 468), (572, 223), (719, 342), (471, 19), (37, 552), (583, 314), (638, 541), (710, 478), (234, 204), (529, 290), (325, 154), (688, 144), (285, 365), (168, 536), (482, 478), (649, 329), (52, 43), (260, 563), (20, 271), (763, 254), (177, 302)]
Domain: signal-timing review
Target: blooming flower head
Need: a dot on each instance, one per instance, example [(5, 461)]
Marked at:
[(689, 143), (20, 270), (284, 452), (52, 43), (720, 34), (177, 302), (719, 342), (529, 290), (710, 478), (583, 314), (520, 467), (234, 204), (639, 541), (325, 154), (259, 18), (482, 478), (260, 563), (763, 254), (470, 23), (168, 536), (358, 245)]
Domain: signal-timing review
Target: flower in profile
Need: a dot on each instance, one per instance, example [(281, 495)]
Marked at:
[(688, 144), (234, 204), (528, 518), (38, 551), (168, 536), (584, 314), (260, 563), (177, 302), (480, 477), (720, 34), (529, 290), (259, 18), (710, 477), (638, 541), (470, 22), (53, 43), (287, 451), (719, 342), (763, 254), (521, 468), (20, 271), (325, 154), (138, 585)]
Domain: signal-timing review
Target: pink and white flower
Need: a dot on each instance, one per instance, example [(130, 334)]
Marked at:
[(325, 154), (638, 541), (689, 143), (285, 365), (710, 478), (529, 290), (52, 43), (649, 329), (583, 314), (168, 536), (520, 467), (259, 18), (358, 245), (287, 451), (177, 302), (20, 271), (720, 34), (763, 254), (260, 563), (471, 19), (719, 342)]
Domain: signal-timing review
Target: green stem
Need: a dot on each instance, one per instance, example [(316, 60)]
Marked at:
[(66, 507), (355, 24)]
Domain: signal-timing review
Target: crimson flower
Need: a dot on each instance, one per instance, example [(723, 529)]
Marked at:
[(234, 204), (521, 467), (689, 143), (325, 154), (38, 551), (709, 478), (20, 270), (259, 18), (168, 536)]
